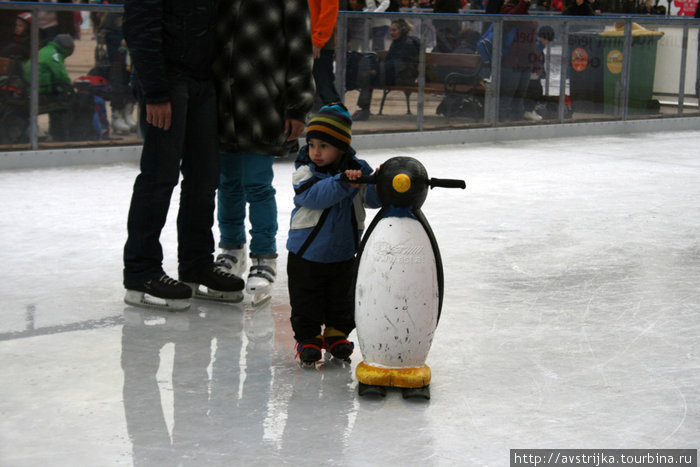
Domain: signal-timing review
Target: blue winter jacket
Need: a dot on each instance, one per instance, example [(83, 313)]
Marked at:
[(328, 209)]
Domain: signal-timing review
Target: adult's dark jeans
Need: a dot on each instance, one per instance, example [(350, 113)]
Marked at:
[(190, 146), (324, 77)]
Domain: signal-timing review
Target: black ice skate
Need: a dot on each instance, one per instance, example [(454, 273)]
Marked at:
[(309, 352), (216, 284), (337, 344), (163, 293)]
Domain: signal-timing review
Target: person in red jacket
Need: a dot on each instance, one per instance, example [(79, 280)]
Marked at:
[(324, 17)]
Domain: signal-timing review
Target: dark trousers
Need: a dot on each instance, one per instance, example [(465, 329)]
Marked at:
[(514, 82), (324, 77), (534, 95), (320, 293), (190, 146), (118, 74)]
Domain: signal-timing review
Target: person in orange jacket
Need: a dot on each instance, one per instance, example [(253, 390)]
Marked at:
[(324, 17)]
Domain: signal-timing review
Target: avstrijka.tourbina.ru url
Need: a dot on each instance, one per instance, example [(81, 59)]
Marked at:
[(603, 457)]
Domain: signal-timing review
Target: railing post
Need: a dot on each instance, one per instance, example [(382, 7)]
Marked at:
[(496, 71), (681, 79), (626, 66), (564, 72), (340, 55), (34, 81), (421, 77)]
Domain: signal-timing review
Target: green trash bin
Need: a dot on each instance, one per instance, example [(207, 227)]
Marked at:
[(642, 68)]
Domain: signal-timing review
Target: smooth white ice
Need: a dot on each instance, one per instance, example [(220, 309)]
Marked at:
[(571, 319)]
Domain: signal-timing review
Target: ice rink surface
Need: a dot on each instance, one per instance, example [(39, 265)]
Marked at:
[(571, 319)]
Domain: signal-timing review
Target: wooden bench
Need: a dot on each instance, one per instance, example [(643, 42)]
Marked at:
[(464, 78)]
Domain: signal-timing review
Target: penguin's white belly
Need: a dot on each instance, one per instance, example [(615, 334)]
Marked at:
[(396, 298)]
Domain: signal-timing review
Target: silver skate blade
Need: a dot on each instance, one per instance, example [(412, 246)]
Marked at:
[(260, 299), (143, 300), (307, 365), (205, 293)]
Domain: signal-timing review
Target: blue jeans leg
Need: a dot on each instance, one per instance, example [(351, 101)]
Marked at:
[(246, 177), (231, 201)]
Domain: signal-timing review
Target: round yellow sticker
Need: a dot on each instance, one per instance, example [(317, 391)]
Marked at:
[(614, 62), (401, 183)]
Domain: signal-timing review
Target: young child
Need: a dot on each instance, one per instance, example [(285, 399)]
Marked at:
[(324, 235)]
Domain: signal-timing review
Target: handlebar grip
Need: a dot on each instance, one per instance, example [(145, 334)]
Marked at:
[(446, 183)]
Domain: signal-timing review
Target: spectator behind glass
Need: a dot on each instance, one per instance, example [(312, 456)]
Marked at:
[(579, 8), (109, 33), (493, 7), (400, 66), (446, 30), (379, 26), (356, 26), (595, 6), (535, 93), (18, 45), (66, 21), (54, 82), (556, 5), (516, 62), (324, 17)]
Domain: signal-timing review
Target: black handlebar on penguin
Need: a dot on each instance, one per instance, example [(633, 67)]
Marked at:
[(432, 183), (446, 183)]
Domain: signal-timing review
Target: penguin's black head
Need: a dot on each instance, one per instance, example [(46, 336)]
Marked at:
[(402, 181)]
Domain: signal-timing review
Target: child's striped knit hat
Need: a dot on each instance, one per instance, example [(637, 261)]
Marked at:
[(333, 125)]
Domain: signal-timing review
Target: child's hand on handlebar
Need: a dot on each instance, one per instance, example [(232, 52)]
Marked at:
[(353, 175)]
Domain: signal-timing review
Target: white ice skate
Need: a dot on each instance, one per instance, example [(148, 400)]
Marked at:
[(164, 293), (129, 117), (119, 126), (261, 278), (233, 260)]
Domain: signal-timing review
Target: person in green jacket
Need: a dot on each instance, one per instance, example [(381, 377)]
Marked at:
[(55, 82), (53, 77)]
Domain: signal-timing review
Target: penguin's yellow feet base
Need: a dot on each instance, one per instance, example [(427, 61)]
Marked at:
[(396, 377)]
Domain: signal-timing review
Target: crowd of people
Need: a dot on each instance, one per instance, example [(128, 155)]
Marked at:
[(365, 72), (76, 108)]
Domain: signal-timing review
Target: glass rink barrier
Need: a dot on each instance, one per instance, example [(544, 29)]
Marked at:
[(404, 71), (478, 70), (64, 76)]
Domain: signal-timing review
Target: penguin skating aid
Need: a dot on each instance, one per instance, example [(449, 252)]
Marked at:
[(399, 286)]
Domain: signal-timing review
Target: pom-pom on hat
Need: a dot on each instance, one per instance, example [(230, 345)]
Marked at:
[(26, 17), (332, 124)]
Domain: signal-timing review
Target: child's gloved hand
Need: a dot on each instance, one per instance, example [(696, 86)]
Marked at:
[(353, 175)]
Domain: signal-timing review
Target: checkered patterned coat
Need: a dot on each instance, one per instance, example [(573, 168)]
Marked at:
[(263, 72)]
